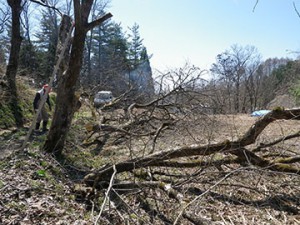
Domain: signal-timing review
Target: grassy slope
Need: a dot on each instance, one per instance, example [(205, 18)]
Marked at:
[(34, 188)]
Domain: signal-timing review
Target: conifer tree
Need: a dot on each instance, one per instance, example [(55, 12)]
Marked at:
[(135, 46), (47, 41)]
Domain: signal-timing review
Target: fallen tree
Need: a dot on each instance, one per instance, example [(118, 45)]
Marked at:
[(236, 148), (152, 181)]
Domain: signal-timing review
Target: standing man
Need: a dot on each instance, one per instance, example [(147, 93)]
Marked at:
[(43, 115)]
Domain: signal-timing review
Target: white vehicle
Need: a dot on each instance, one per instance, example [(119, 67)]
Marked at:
[(102, 97)]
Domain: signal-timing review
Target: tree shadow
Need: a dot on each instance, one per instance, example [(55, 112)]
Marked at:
[(74, 172), (12, 140), (100, 144), (16, 110), (281, 202)]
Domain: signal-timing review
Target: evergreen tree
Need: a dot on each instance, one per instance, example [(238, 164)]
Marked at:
[(28, 59), (47, 41), (136, 47), (100, 61), (109, 58), (117, 45), (96, 12), (144, 55)]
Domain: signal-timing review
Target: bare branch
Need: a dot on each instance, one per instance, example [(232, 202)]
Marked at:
[(4, 18), (260, 125), (98, 21), (295, 7), (291, 136), (106, 194), (201, 195), (197, 163), (45, 4)]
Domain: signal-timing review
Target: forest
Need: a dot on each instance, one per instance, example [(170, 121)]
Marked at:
[(171, 147)]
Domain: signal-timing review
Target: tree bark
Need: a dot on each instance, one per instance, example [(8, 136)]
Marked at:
[(13, 62)]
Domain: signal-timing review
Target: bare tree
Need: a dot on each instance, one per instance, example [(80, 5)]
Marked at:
[(233, 67), (4, 17), (67, 101)]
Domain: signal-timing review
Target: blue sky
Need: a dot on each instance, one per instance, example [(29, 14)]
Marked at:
[(196, 31)]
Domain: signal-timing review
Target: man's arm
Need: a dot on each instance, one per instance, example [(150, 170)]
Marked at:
[(48, 102), (36, 100)]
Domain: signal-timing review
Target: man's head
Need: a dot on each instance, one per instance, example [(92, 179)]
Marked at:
[(47, 88)]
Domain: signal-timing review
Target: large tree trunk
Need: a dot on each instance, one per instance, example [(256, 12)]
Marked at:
[(13, 62), (67, 101)]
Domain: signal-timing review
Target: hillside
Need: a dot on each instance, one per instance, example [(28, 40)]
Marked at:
[(39, 189)]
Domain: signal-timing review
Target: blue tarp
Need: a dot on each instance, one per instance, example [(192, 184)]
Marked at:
[(260, 112)]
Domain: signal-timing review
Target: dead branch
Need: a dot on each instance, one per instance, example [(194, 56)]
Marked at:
[(236, 148), (262, 145), (260, 125), (152, 212), (106, 195), (116, 100), (98, 21), (150, 118), (296, 10), (158, 131), (201, 195), (45, 4), (111, 129), (197, 163), (288, 160), (254, 7), (196, 220), (249, 157)]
